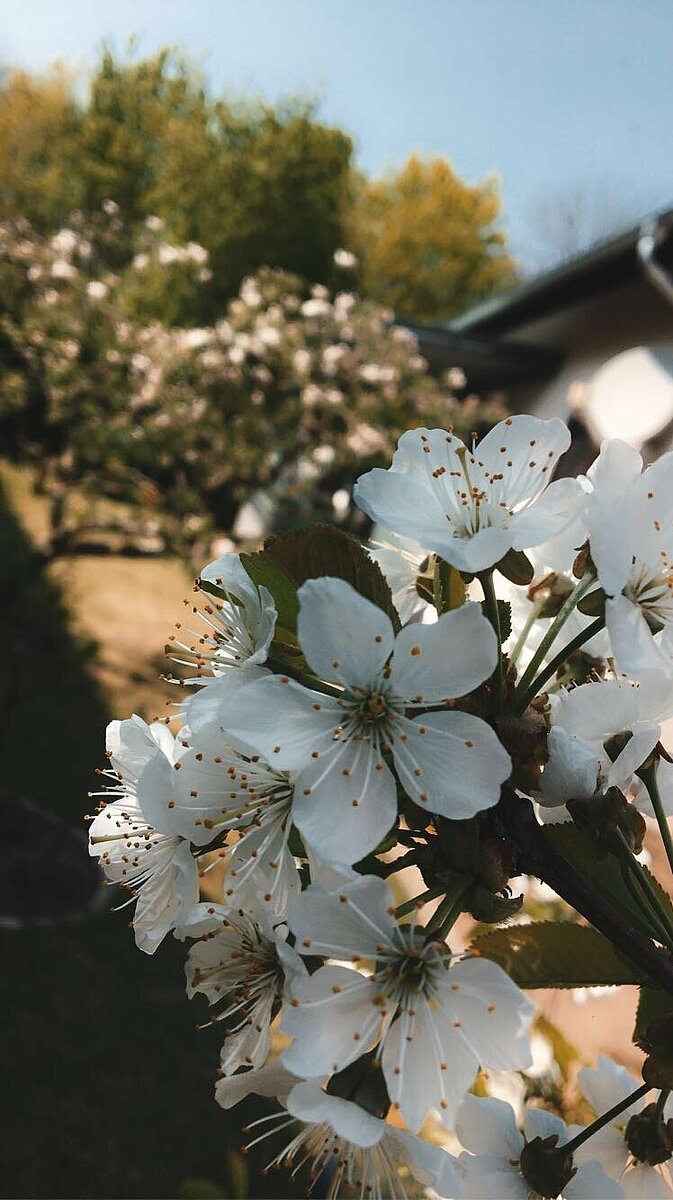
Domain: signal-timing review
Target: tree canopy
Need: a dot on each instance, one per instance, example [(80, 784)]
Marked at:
[(428, 243), (254, 183)]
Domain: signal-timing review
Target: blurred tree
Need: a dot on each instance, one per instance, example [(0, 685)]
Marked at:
[(37, 114), (252, 183), (428, 243)]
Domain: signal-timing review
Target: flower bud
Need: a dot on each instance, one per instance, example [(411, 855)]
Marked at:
[(649, 1137), (545, 1167)]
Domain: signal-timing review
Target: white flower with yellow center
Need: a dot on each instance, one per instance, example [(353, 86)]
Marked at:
[(435, 1020), (472, 506), (334, 744)]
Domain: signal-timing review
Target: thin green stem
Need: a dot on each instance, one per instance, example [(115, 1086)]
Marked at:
[(557, 624), (606, 1119), (409, 905), (448, 911), (649, 778), (523, 700), (528, 624), (491, 603)]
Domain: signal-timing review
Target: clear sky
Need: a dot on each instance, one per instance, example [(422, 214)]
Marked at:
[(555, 96)]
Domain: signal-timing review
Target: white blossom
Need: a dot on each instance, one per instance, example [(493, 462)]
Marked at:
[(136, 845), (471, 507), (365, 1153), (435, 1020), (449, 762), (488, 1130)]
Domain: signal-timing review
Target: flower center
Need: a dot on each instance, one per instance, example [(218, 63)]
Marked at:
[(652, 592)]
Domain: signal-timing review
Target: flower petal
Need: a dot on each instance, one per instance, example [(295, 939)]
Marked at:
[(548, 516), (308, 1102), (346, 802), (451, 763), (432, 663), (487, 1126), (344, 637), (357, 925), (533, 445), (334, 1017), (284, 721)]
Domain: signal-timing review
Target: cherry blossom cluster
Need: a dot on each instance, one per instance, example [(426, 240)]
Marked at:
[(371, 746)]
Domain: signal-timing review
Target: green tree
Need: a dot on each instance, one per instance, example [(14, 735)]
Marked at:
[(428, 243), (37, 117)]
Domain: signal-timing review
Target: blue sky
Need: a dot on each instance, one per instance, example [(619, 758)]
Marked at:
[(555, 96)]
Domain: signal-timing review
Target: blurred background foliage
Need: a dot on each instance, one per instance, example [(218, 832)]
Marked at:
[(197, 298)]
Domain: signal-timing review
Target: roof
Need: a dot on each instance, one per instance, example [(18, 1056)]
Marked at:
[(486, 363), (610, 263)]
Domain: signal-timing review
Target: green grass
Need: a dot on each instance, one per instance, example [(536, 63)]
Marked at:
[(108, 1086)]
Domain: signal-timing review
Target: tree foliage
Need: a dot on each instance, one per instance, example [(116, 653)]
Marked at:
[(428, 243)]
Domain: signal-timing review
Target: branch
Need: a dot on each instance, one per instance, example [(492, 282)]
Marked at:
[(541, 858)]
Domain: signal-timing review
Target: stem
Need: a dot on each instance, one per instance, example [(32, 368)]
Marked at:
[(409, 905), (539, 857), (448, 911), (525, 630), (490, 600), (522, 701), (607, 1117), (557, 624), (649, 778), (661, 1102)]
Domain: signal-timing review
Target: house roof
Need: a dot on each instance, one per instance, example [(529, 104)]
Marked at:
[(486, 363), (608, 264)]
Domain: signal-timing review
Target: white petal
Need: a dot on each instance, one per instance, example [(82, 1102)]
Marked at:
[(310, 1103), (643, 1182), (346, 802), (487, 1126), (495, 1014), (207, 712), (445, 660), (428, 1164), (403, 503), (538, 1122), (638, 748), (597, 711), (633, 646), (606, 1085), (229, 574), (591, 1183), (455, 768), (487, 1177), (285, 722), (344, 637), (271, 1080), (606, 1147), (334, 1018), (427, 1064), (548, 516), (571, 772), (356, 926), (533, 445), (131, 745)]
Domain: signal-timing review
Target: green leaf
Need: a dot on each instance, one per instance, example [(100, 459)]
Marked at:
[(265, 571), (504, 617), (324, 550), (449, 589), (555, 954), (605, 874), (202, 1189), (516, 567)]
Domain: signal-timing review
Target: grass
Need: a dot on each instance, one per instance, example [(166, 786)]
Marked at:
[(110, 1086)]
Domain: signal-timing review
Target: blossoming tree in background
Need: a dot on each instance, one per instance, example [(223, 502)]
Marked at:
[(293, 392), (488, 711)]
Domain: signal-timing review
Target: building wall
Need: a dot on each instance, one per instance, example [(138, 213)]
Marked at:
[(590, 333)]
